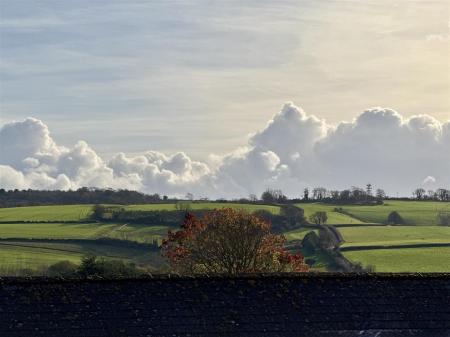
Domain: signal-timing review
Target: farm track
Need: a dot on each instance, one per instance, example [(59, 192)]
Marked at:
[(107, 234)]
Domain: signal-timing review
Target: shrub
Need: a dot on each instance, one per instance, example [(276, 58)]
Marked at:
[(62, 269), (394, 218), (311, 241), (293, 214), (329, 238), (290, 217), (94, 266), (98, 212), (264, 214), (318, 218)]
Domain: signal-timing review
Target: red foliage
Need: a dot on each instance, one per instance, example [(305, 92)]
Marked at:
[(228, 241)]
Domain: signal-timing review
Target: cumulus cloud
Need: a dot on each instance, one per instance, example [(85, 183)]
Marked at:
[(25, 141), (293, 151), (429, 182)]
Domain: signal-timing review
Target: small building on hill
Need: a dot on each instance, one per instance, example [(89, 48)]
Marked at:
[(306, 305)]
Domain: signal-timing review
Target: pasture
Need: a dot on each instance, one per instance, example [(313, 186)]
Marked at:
[(54, 224), (394, 235), (334, 217), (431, 259), (75, 213), (421, 213), (15, 255), (204, 205), (46, 213), (42, 230), (296, 234)]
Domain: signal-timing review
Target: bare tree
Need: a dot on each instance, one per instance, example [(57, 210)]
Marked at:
[(380, 194), (419, 193), (273, 195), (369, 189), (443, 194), (319, 193), (306, 194)]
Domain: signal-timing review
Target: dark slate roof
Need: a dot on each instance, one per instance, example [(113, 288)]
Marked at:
[(254, 305)]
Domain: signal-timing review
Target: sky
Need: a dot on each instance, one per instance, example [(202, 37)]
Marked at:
[(197, 83)]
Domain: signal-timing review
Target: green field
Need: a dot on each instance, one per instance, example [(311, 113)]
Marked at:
[(296, 234), (334, 218), (422, 213), (41, 222), (13, 258), (413, 212), (394, 235), (82, 212), (404, 259), (16, 255), (46, 213), (139, 233), (203, 205), (55, 230), (420, 228), (42, 230)]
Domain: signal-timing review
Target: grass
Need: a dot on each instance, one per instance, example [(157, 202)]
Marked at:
[(55, 230), (423, 213), (420, 217), (13, 258), (404, 259), (82, 212), (394, 235), (139, 233), (413, 212), (46, 213), (16, 255), (334, 218), (204, 205), (296, 234)]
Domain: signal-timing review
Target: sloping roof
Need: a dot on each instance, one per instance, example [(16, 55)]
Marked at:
[(253, 305)]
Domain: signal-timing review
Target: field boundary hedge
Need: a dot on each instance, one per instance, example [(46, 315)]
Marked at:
[(101, 241), (373, 247), (49, 221), (373, 225)]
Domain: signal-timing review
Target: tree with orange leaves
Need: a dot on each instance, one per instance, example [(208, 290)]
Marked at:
[(228, 241)]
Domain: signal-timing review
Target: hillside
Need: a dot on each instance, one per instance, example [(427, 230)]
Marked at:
[(34, 237)]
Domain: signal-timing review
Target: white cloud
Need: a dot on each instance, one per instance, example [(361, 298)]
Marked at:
[(290, 134), (429, 181), (293, 151), (27, 139)]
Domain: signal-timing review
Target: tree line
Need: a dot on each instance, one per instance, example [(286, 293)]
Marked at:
[(353, 195), (441, 194), (85, 195)]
